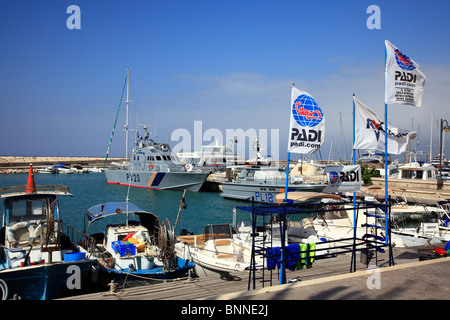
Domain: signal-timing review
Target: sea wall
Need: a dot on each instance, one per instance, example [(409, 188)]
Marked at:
[(20, 164)]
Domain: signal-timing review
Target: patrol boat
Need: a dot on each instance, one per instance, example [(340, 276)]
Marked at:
[(152, 165)]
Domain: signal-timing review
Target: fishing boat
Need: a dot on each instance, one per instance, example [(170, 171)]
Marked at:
[(38, 261), (153, 165), (134, 249)]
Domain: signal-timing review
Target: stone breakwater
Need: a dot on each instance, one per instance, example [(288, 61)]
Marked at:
[(21, 164)]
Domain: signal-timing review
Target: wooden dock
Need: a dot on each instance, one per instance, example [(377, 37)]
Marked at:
[(215, 288)]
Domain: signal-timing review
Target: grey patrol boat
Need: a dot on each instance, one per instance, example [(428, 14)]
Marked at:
[(152, 165)]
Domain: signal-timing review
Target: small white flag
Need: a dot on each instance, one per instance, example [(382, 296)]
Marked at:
[(404, 81), (343, 179)]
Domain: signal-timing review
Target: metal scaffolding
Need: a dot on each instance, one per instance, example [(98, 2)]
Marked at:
[(270, 222)]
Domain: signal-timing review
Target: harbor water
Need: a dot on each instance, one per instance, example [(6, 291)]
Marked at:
[(89, 189)]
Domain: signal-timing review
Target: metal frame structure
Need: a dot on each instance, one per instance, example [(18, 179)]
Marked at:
[(265, 219)]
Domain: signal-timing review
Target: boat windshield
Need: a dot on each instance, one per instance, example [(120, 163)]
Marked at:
[(330, 215), (218, 231), (22, 209)]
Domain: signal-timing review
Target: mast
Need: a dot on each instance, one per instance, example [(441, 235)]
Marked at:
[(431, 137), (126, 123)]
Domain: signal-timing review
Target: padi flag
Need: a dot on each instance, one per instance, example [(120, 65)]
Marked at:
[(404, 81), (343, 179), (369, 132), (307, 123)]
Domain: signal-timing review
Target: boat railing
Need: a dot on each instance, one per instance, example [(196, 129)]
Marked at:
[(23, 189), (80, 238)]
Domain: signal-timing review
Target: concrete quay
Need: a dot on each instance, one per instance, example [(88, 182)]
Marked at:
[(329, 279)]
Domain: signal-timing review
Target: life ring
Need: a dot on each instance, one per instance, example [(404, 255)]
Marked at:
[(20, 225), (151, 165), (188, 167)]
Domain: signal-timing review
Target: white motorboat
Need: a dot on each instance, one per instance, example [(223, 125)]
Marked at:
[(212, 157), (262, 184), (339, 224), (214, 251)]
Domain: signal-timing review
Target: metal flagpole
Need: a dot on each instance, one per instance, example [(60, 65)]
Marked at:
[(385, 153), (354, 162), (287, 177)]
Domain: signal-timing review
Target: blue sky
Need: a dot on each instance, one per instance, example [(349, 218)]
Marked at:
[(229, 64)]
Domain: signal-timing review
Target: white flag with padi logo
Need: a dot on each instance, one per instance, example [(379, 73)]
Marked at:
[(370, 130), (404, 81), (307, 123), (343, 179)]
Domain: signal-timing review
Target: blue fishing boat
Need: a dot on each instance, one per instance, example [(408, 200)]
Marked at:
[(37, 260), (132, 250)]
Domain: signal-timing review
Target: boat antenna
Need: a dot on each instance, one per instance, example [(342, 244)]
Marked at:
[(126, 123)]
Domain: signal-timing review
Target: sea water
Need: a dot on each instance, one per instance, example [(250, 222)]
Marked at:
[(89, 189)]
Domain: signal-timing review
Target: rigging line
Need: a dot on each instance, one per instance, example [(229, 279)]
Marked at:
[(115, 122)]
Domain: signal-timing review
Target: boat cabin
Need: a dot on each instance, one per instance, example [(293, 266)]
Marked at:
[(416, 171), (151, 156), (210, 155)]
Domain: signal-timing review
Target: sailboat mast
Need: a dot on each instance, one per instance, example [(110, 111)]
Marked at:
[(126, 123), (431, 137)]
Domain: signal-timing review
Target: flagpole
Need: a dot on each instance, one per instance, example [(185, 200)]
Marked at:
[(287, 177), (385, 152), (282, 221), (287, 169), (354, 162)]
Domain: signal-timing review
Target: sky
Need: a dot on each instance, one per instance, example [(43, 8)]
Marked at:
[(226, 65)]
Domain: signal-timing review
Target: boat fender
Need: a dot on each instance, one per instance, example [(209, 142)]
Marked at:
[(20, 225), (151, 165), (440, 251)]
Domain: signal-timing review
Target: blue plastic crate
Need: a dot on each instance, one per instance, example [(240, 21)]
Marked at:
[(123, 249)]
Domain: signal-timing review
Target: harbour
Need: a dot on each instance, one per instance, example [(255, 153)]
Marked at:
[(235, 286), (250, 167)]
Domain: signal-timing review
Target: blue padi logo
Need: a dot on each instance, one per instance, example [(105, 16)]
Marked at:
[(404, 61), (334, 177), (306, 111)]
